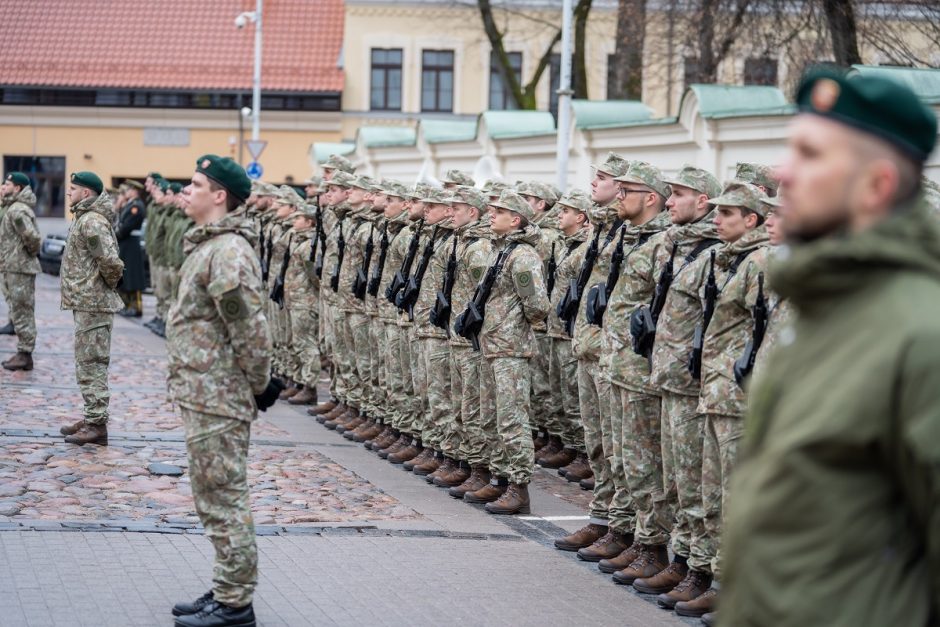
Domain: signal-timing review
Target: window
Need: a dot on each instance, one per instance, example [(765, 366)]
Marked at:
[(47, 178), (554, 67), (437, 80), (385, 89), (689, 71), (611, 74), (328, 101), (500, 95), (760, 71)]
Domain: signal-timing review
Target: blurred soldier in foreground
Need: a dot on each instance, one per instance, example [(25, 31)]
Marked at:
[(834, 506)]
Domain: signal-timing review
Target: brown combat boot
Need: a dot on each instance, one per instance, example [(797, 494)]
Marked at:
[(653, 558), (382, 440), (622, 561), (73, 428), (704, 603), (695, 584), (488, 493), (323, 408), (20, 361), (400, 443), (553, 446), (479, 477), (365, 425), (409, 452), (343, 419), (585, 536), (515, 500), (665, 580), (427, 467), (577, 470), (611, 545), (454, 478), (351, 425), (333, 414), (290, 391), (447, 467), (426, 455), (306, 396), (369, 432), (539, 439), (562, 458), (588, 483), (89, 434)]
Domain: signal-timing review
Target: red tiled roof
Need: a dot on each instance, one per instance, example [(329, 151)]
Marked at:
[(170, 44)]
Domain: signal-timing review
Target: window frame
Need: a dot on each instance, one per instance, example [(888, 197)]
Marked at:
[(386, 68), (438, 70)]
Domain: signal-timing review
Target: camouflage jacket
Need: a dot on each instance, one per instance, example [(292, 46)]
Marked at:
[(780, 313), (175, 226), (569, 254), (91, 266), (398, 231), (402, 243), (155, 235), (357, 230), (731, 324), (281, 233), (634, 289), (517, 301), (370, 302), (474, 254), (218, 345), (550, 236), (433, 278), (301, 285), (683, 308), (586, 343), (19, 235)]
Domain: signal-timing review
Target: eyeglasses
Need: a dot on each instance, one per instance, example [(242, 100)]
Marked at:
[(623, 191)]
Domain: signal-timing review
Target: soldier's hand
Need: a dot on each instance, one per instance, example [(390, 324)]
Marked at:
[(270, 394)]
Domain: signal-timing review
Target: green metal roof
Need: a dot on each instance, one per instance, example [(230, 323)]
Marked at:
[(382, 136), (438, 131), (323, 150), (924, 82), (503, 124), (722, 101), (606, 113)]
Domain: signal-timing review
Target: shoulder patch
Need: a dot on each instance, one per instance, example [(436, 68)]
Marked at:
[(232, 305), (476, 273), (94, 245), (524, 284), (134, 211)]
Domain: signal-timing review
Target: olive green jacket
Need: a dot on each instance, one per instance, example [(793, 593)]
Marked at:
[(834, 514)]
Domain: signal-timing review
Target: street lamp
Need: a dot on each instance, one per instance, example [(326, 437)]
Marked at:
[(240, 22)]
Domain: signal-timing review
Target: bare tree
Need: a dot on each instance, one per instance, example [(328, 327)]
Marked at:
[(840, 14), (628, 51)]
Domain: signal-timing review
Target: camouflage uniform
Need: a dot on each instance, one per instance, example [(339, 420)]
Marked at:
[(411, 360), (5, 201), (91, 268), (780, 316), (19, 245), (517, 301), (280, 234), (219, 351), (301, 293), (682, 429), (396, 376), (355, 328)]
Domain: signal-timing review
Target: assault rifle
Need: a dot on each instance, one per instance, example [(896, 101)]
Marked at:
[(698, 340), (470, 322), (567, 308), (266, 260), (552, 269), (340, 252), (277, 292), (321, 242), (745, 363), (360, 283), (398, 281), (440, 314), (264, 263), (409, 295), (376, 277), (600, 293), (643, 320)]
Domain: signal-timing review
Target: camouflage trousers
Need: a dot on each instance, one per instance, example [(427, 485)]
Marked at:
[(594, 396), (327, 341), (719, 457), (504, 405), (466, 439), (544, 406), (159, 279), (412, 399), (306, 353), (563, 374), (622, 512), (342, 356), (20, 291), (641, 450), (217, 448), (683, 434), (377, 384), (393, 383), (356, 330), (433, 377), (92, 357)]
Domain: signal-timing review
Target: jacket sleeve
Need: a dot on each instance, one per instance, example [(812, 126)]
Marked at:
[(529, 284), (235, 287), (99, 240), (27, 232)]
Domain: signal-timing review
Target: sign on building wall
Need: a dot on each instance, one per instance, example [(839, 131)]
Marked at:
[(166, 136)]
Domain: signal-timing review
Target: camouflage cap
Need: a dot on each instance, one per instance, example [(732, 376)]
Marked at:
[(493, 188), (340, 163), (514, 202), (341, 178), (395, 188), (458, 178), (614, 165), (420, 191), (437, 196), (739, 194), (540, 190), (361, 182), (756, 174), (698, 179), (771, 203), (471, 196), (578, 200), (288, 195), (308, 210), (267, 189), (643, 173), (931, 191), (314, 180)]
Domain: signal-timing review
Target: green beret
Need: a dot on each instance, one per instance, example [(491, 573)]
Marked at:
[(698, 179), (18, 178), (163, 184), (874, 104), (642, 173), (155, 175), (614, 165), (514, 202), (87, 179), (738, 194), (756, 174), (457, 177), (176, 188), (226, 173)]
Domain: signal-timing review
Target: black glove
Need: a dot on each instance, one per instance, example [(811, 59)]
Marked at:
[(269, 396)]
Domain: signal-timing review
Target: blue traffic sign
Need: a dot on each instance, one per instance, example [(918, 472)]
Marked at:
[(254, 170)]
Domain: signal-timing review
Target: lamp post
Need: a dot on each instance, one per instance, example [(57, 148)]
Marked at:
[(241, 21)]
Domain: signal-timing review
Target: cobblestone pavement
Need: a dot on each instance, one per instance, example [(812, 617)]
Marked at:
[(102, 536)]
